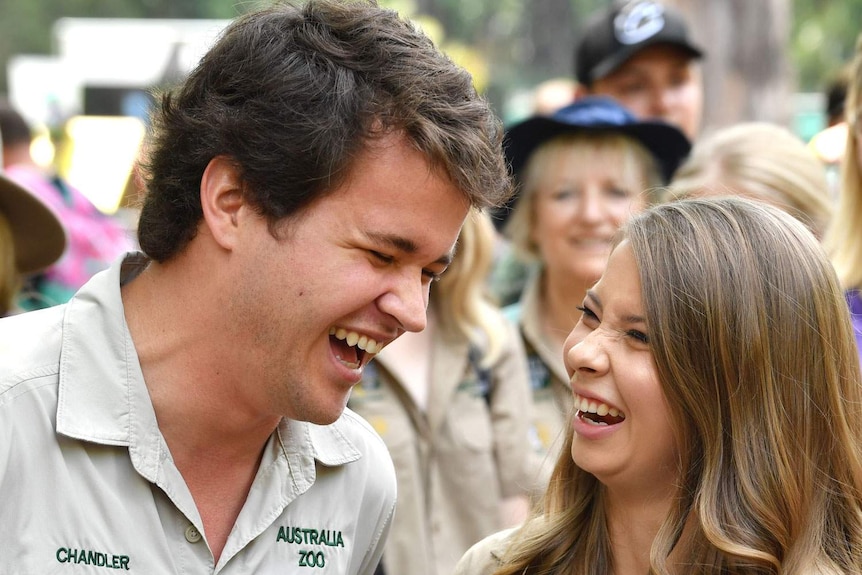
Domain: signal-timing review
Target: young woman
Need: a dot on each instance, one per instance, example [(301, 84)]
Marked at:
[(718, 409)]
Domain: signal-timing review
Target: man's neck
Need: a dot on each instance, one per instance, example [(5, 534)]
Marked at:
[(213, 430), (197, 386)]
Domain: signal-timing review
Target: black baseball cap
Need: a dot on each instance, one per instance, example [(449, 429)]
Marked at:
[(612, 36), (592, 114)]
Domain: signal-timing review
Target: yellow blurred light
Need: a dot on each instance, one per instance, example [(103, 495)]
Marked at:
[(42, 150), (829, 144), (101, 153)]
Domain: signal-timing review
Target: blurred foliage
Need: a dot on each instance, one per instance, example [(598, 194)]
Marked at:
[(509, 45), (26, 26), (823, 39)]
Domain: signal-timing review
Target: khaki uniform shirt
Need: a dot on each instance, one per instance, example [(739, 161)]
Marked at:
[(87, 484), (552, 391), (455, 461), (485, 557)]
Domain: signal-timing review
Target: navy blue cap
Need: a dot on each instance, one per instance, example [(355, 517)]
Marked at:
[(593, 114)]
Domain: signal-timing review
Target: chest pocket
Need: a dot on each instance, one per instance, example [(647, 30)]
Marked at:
[(470, 417)]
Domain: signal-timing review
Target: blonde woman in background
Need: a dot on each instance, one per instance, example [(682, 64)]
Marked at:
[(452, 405), (844, 239), (718, 419), (582, 172), (760, 161)]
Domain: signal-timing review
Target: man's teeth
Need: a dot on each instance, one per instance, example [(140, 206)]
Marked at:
[(352, 338), (590, 406)]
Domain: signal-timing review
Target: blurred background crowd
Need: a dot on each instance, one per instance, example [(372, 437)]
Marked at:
[(764, 117)]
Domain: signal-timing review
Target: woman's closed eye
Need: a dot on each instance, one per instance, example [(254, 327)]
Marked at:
[(589, 315), (638, 335)]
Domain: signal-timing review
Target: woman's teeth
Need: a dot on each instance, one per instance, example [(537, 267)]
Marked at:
[(597, 412)]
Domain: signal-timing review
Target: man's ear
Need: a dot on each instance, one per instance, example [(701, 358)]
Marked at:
[(221, 200)]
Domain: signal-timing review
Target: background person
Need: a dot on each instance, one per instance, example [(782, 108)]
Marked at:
[(95, 239), (452, 404), (582, 172), (698, 442), (31, 238), (640, 53), (186, 409), (759, 161), (843, 240)]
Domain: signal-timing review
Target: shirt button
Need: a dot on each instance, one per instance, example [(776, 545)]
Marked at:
[(192, 534)]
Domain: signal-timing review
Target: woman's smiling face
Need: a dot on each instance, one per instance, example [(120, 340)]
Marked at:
[(582, 199), (623, 432)]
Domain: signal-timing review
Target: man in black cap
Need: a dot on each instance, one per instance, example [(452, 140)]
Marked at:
[(639, 53)]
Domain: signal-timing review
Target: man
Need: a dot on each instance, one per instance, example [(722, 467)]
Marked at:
[(184, 412), (639, 53)]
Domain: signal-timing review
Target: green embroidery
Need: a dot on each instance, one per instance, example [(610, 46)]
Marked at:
[(311, 559), (306, 536), (90, 557)]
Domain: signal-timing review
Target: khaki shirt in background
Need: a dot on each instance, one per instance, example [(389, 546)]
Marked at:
[(456, 461), (552, 391), (485, 557), (87, 482)]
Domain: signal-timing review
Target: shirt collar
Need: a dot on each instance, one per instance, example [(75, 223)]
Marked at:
[(103, 397)]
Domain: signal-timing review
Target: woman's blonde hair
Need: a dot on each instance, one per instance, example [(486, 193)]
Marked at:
[(843, 240), (761, 161), (635, 165), (462, 299), (10, 280), (752, 341)]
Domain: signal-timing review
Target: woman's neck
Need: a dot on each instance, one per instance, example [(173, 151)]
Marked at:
[(633, 522)]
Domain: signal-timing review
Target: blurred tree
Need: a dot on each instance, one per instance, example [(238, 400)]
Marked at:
[(824, 34), (747, 69), (759, 47), (26, 27)]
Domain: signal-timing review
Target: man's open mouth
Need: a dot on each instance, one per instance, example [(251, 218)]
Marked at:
[(351, 348)]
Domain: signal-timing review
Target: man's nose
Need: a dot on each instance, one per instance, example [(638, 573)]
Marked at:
[(407, 302)]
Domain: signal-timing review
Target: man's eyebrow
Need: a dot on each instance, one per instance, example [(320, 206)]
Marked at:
[(408, 246)]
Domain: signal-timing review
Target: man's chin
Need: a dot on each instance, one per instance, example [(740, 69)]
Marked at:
[(328, 416)]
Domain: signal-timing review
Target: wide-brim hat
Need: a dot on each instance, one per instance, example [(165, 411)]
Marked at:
[(612, 36), (38, 234), (594, 114)]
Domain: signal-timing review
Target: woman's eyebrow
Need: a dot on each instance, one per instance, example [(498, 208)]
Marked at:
[(634, 319), (630, 318), (595, 298)]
